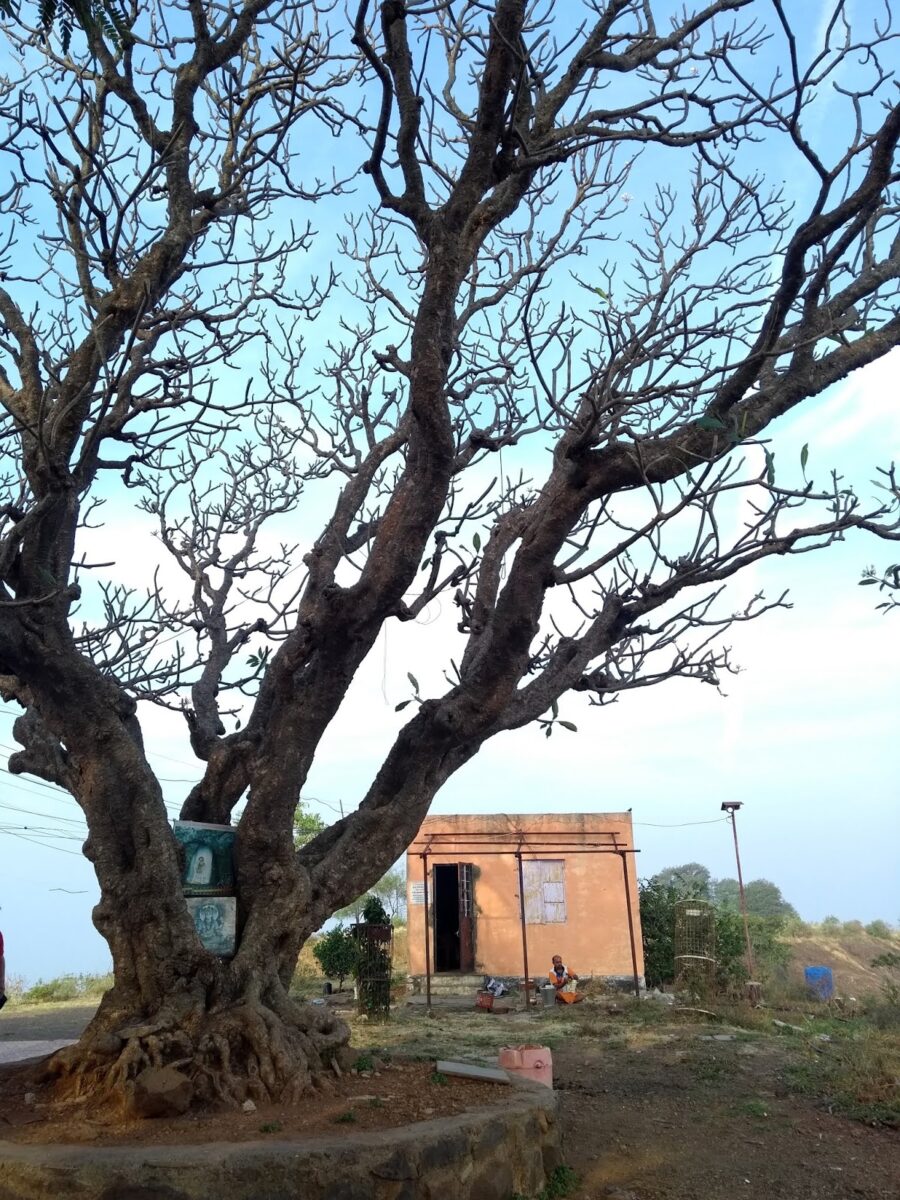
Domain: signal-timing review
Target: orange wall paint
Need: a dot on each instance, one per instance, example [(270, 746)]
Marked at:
[(594, 938)]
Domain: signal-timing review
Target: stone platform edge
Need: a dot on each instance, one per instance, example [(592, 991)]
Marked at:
[(489, 1153)]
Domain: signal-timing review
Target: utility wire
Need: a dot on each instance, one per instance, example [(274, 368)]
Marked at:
[(35, 842), (680, 825)]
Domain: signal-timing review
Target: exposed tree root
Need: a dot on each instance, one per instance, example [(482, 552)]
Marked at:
[(247, 1050)]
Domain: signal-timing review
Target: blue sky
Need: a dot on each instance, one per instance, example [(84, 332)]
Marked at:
[(805, 737)]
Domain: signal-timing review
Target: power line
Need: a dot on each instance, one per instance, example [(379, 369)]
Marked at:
[(35, 842), (46, 831), (680, 825), (34, 813)]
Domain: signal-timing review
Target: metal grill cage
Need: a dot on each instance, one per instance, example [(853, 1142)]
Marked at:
[(373, 970), (695, 947)]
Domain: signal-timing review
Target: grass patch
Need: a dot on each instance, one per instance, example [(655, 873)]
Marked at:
[(710, 1069), (855, 1074), (562, 1182), (439, 1078), (753, 1108), (376, 1102), (365, 1062), (346, 1118), (271, 1127), (65, 988)]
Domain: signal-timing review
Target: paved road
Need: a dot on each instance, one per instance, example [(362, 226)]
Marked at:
[(37, 1032), (52, 1022)]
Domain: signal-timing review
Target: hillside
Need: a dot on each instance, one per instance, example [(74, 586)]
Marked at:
[(848, 955)]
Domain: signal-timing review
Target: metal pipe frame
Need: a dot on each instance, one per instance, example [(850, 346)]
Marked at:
[(472, 844)]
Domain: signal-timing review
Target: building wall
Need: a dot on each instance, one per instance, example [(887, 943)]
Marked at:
[(594, 938)]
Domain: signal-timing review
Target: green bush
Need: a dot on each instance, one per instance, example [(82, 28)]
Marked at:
[(771, 955), (374, 912), (879, 929), (66, 987), (336, 953)]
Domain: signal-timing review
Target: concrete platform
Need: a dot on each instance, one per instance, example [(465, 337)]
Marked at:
[(485, 1154)]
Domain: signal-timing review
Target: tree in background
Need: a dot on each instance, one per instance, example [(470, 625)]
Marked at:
[(306, 824), (764, 898), (691, 878), (535, 394), (390, 890), (768, 913), (658, 898)]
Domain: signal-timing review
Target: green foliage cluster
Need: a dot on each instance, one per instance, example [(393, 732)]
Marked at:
[(563, 1181), (879, 929), (66, 987), (306, 825), (96, 18), (373, 967), (660, 894), (390, 890), (336, 953), (373, 912)]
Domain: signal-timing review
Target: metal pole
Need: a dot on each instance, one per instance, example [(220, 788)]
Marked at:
[(427, 932), (634, 966), (737, 856), (524, 933)]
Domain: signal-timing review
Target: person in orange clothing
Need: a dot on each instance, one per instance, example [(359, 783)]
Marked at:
[(565, 982)]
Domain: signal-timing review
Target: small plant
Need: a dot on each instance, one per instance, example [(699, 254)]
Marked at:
[(710, 1070), (346, 1118), (374, 912), (562, 1182), (365, 1062), (337, 954), (376, 1102), (754, 1108), (271, 1127), (439, 1078)]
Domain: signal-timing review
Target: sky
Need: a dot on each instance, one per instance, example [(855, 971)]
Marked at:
[(805, 736)]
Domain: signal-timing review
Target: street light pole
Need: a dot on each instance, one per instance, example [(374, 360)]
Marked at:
[(730, 807)]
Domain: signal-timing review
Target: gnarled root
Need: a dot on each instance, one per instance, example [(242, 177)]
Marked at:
[(246, 1050)]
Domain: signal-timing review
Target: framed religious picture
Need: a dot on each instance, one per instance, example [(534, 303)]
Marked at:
[(206, 858), (214, 918)]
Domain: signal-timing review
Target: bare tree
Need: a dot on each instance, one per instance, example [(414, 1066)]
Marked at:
[(502, 301)]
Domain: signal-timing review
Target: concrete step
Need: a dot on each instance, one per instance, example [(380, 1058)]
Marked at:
[(450, 984)]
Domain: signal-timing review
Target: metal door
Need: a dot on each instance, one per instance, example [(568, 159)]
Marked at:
[(466, 917)]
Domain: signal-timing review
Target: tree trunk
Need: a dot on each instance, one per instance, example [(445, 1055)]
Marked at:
[(231, 1026), (236, 1033)]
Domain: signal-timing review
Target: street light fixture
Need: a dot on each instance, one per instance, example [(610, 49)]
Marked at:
[(730, 807)]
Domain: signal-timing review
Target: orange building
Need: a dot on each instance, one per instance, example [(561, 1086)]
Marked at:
[(501, 887)]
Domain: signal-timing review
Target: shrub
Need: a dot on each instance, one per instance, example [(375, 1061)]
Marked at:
[(879, 929), (374, 912), (336, 953), (66, 987)]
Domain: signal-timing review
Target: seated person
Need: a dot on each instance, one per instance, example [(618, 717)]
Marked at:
[(565, 982)]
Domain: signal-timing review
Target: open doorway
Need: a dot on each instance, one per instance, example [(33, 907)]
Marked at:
[(454, 942)]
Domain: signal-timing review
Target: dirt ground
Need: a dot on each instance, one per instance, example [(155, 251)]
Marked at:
[(673, 1108), (675, 1116), (388, 1095)]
